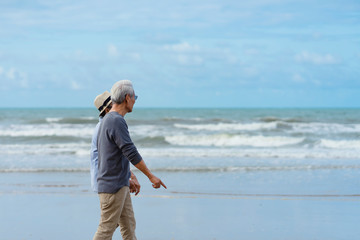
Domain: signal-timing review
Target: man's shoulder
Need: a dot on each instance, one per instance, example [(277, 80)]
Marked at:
[(113, 118)]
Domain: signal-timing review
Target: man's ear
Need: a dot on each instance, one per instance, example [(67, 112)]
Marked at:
[(127, 97)]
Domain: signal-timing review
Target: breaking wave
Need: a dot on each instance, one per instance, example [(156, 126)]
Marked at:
[(225, 140)]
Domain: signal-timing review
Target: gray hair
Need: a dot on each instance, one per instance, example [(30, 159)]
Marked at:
[(120, 89)]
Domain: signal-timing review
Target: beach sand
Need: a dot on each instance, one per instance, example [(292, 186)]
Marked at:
[(272, 205)]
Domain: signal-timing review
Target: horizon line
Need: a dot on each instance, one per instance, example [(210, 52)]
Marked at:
[(198, 107)]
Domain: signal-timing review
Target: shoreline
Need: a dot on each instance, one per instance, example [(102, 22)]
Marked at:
[(314, 204)]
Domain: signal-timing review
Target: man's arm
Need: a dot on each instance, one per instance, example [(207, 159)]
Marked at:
[(156, 182)]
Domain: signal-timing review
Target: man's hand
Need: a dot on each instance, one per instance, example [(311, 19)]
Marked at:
[(134, 186), (156, 182)]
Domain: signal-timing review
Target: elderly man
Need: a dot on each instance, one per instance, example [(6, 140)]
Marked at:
[(116, 152), (103, 103)]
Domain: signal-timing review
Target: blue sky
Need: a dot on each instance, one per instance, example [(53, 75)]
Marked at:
[(260, 53)]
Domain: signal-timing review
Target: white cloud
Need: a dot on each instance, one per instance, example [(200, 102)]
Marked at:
[(316, 58), (317, 82), (75, 85), (82, 56), (251, 51), (184, 53), (11, 74), (182, 47), (316, 35), (13, 77), (135, 56), (113, 51), (250, 71), (189, 60), (298, 78), (23, 80)]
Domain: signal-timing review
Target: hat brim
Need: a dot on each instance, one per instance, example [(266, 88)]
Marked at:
[(106, 106)]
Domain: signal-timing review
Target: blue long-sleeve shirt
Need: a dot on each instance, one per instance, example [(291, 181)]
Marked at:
[(94, 157), (115, 152)]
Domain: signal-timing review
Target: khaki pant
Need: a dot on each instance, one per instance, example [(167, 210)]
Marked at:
[(116, 210)]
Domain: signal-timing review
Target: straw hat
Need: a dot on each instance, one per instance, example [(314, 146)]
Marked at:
[(102, 101)]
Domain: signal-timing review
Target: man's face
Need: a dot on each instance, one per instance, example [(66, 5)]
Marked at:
[(131, 102)]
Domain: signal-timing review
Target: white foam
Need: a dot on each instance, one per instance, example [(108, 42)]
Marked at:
[(311, 127), (52, 120), (340, 144), (147, 130), (224, 140), (58, 119), (42, 130), (316, 127), (264, 153), (228, 126), (77, 155), (80, 149)]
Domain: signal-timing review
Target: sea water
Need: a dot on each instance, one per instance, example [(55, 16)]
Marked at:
[(230, 173), (187, 139)]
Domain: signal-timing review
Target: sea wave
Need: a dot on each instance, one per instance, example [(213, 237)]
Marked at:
[(277, 119), (42, 130), (194, 169), (226, 140), (81, 152), (340, 144), (79, 148), (265, 153), (322, 128), (64, 120), (41, 170), (147, 130), (228, 126), (78, 120), (253, 168), (276, 125)]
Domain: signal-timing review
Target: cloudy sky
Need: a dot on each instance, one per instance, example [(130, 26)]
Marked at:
[(213, 53)]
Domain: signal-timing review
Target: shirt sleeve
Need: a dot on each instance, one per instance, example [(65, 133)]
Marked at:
[(94, 150), (123, 141)]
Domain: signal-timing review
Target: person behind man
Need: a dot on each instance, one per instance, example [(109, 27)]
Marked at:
[(116, 152), (103, 103)]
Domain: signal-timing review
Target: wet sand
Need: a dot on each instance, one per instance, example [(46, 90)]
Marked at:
[(295, 205)]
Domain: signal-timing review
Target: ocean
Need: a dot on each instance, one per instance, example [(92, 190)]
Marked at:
[(48, 140), (230, 174)]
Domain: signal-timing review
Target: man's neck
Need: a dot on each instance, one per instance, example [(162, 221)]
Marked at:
[(119, 108)]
